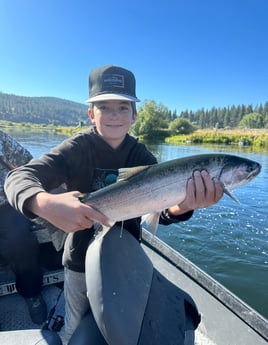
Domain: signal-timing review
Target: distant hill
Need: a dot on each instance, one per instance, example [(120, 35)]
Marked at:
[(41, 110)]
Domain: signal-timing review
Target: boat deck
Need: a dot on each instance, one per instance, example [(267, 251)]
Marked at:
[(225, 320), (14, 314)]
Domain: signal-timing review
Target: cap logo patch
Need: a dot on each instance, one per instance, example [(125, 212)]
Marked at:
[(114, 80)]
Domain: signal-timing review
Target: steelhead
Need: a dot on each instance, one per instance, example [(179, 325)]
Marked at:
[(147, 190)]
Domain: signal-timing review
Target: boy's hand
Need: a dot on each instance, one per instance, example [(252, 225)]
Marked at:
[(65, 211), (202, 191)]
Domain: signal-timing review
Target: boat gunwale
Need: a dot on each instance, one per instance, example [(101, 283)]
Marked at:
[(229, 300)]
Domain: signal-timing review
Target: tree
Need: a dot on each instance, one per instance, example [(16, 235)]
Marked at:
[(265, 109), (181, 126), (252, 120), (152, 117), (174, 115), (265, 121)]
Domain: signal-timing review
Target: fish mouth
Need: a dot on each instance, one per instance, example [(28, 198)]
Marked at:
[(255, 171)]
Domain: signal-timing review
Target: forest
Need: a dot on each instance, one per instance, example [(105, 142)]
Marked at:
[(41, 110), (152, 116), (230, 116)]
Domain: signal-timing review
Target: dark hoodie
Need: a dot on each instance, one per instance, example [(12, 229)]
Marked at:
[(85, 163)]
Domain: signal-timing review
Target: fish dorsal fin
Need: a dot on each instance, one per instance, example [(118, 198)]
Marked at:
[(125, 173)]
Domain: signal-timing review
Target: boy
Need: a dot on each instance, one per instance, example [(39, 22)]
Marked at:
[(85, 163)]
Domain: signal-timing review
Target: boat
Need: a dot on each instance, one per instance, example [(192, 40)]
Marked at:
[(225, 319)]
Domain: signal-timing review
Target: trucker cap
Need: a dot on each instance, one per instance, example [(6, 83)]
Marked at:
[(112, 83)]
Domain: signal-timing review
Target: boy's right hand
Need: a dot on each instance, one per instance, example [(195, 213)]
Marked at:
[(65, 211)]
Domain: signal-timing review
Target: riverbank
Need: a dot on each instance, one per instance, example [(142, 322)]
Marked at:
[(258, 138)]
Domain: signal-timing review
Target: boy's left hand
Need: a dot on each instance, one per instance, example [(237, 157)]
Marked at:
[(201, 191)]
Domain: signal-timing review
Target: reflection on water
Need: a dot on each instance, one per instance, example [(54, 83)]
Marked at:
[(229, 241)]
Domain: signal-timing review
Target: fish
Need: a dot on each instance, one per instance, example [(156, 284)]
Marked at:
[(145, 191)]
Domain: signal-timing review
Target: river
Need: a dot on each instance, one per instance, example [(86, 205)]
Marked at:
[(229, 241)]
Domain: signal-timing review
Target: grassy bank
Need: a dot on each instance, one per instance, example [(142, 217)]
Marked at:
[(24, 126), (39, 127), (256, 137)]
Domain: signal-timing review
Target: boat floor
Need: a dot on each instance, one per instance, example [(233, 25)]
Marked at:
[(14, 313)]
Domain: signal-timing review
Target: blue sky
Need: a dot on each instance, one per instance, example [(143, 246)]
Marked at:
[(186, 54)]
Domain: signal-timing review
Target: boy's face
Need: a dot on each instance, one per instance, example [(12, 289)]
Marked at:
[(112, 120)]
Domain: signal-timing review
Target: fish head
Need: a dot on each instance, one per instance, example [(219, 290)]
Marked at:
[(238, 171)]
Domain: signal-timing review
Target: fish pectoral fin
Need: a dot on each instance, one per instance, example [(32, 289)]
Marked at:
[(151, 221), (125, 173), (230, 194)]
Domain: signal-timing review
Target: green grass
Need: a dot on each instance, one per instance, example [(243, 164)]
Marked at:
[(255, 138)]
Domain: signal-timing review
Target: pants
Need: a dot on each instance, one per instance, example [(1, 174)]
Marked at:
[(76, 302), (20, 249)]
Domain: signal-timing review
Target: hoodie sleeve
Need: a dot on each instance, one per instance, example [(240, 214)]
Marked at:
[(166, 219), (61, 166)]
